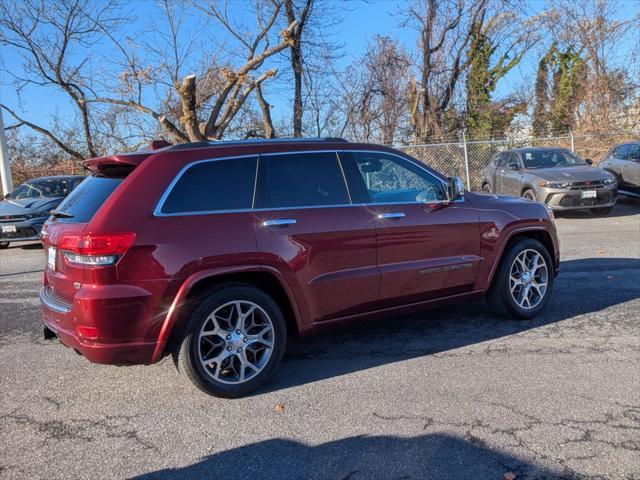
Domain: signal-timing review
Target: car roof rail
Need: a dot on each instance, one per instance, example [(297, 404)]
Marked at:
[(256, 141)]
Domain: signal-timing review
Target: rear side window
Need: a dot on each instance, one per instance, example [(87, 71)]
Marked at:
[(301, 180), (83, 202), (213, 186)]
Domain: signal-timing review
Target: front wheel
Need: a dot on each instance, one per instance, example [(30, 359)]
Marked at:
[(601, 211), (529, 195), (234, 341), (522, 284), (4, 245)]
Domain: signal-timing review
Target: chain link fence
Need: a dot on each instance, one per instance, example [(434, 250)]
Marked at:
[(464, 158), (472, 156)]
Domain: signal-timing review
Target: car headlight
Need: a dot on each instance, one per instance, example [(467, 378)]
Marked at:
[(555, 184), (609, 181)]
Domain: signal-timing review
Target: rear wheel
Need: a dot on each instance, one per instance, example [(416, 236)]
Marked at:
[(529, 195), (234, 341), (601, 211), (522, 284), (4, 245)]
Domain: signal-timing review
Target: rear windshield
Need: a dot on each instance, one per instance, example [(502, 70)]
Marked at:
[(84, 201)]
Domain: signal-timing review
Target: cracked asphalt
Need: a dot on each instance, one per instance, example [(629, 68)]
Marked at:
[(448, 393)]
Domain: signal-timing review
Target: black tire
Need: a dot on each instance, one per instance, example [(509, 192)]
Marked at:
[(188, 356), (4, 245), (529, 195), (601, 211), (486, 188), (499, 296)]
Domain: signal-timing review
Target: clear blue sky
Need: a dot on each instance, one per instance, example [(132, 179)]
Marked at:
[(360, 22)]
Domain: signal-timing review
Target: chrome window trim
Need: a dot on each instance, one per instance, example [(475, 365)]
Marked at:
[(157, 212)]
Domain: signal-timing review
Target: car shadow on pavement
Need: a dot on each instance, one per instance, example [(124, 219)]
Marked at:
[(625, 206), (26, 246), (583, 286), (431, 456)]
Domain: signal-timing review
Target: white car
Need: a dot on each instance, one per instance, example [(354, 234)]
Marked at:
[(624, 162)]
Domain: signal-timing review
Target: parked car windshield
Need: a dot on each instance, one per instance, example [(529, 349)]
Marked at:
[(551, 158), (51, 187)]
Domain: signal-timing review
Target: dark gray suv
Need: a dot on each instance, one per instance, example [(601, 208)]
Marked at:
[(23, 211)]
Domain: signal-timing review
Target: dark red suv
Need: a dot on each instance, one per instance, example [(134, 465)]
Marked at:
[(216, 253)]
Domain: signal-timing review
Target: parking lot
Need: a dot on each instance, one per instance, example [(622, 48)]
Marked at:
[(448, 393)]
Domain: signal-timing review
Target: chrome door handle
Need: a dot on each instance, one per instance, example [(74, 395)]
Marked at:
[(391, 216), (279, 222)]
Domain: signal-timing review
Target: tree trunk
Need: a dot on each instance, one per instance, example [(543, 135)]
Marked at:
[(269, 131), (187, 93)]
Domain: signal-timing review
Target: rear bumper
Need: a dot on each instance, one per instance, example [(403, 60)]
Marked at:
[(63, 317)]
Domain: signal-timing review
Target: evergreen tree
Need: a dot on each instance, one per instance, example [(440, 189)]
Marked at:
[(540, 122), (484, 116)]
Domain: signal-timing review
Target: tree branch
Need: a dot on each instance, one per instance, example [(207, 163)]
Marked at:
[(44, 131)]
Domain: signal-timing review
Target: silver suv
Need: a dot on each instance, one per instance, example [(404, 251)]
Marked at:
[(624, 162), (555, 176)]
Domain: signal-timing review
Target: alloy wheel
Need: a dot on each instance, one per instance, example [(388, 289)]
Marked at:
[(235, 342), (528, 278)]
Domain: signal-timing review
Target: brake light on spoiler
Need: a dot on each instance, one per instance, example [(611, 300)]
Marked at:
[(95, 249)]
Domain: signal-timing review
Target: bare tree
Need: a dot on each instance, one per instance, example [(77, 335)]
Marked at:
[(207, 103), (445, 29), (51, 39), (386, 71), (598, 34), (302, 13)]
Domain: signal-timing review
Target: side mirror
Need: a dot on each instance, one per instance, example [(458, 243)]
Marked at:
[(455, 188), (589, 161), (514, 166)]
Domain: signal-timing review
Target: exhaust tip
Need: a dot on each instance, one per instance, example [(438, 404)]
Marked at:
[(49, 334)]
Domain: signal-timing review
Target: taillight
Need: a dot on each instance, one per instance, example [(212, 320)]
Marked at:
[(90, 333), (95, 249)]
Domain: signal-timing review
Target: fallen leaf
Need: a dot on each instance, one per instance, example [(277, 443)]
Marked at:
[(602, 251), (509, 476), (279, 408)]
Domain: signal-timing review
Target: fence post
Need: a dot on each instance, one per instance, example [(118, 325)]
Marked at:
[(466, 159), (573, 149)]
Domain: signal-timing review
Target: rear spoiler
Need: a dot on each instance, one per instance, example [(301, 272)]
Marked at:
[(131, 160), (121, 164)]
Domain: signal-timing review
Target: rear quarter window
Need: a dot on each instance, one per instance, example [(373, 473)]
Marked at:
[(85, 200), (216, 185)]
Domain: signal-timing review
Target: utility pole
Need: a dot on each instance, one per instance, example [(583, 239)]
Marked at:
[(5, 167)]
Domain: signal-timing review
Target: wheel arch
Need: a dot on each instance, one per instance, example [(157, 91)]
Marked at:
[(198, 284), (526, 187), (540, 234)]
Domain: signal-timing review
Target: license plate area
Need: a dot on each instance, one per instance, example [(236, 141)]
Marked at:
[(9, 229), (51, 258), (588, 194)]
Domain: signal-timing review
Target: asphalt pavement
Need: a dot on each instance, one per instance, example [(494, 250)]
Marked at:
[(451, 393)]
